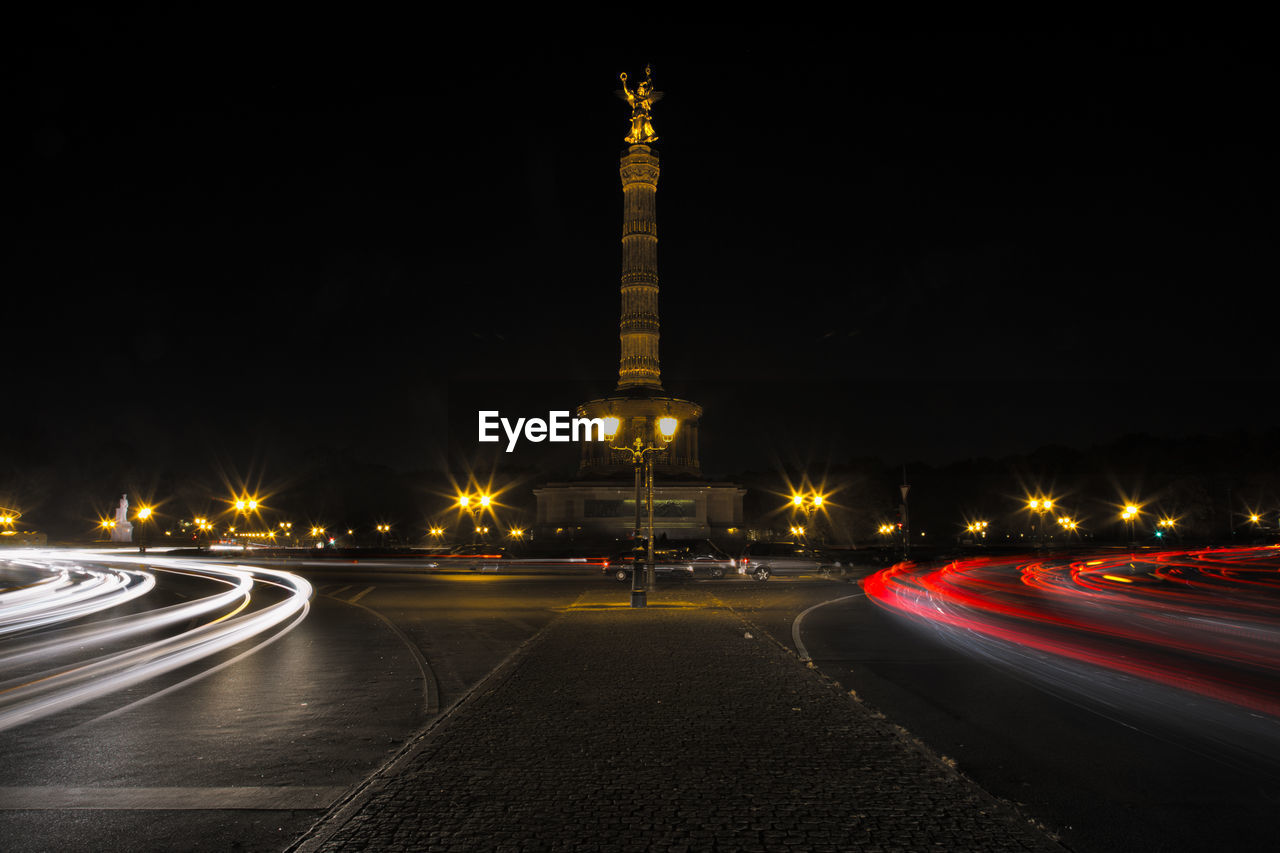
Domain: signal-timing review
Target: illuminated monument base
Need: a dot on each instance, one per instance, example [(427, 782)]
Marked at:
[(606, 509), (601, 504)]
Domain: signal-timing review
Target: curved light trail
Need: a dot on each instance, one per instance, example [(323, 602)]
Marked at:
[(1190, 636), (43, 629)]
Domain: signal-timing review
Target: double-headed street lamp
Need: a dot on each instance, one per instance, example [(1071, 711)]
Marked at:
[(807, 504), (642, 459), (1041, 507), (246, 506), (475, 505)]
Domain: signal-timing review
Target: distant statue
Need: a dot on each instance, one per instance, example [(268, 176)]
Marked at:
[(641, 102), (123, 529)]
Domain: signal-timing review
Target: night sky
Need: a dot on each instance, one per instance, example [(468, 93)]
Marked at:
[(240, 243)]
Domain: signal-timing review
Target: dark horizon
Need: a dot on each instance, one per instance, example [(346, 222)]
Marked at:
[(921, 247)]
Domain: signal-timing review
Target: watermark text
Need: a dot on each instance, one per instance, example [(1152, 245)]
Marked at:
[(558, 426)]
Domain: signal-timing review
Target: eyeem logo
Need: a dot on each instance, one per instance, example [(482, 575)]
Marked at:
[(557, 427)]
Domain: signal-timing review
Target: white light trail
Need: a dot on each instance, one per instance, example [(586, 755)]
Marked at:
[(80, 584)]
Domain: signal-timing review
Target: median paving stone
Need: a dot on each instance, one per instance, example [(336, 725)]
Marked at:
[(667, 728)]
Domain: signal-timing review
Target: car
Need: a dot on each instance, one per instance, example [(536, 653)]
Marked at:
[(709, 560), (671, 563), (762, 560), (478, 557), (478, 549)]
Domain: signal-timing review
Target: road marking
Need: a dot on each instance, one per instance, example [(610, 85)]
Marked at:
[(430, 687), (795, 626), (329, 824), (608, 605), (360, 595), (338, 590), (272, 798)]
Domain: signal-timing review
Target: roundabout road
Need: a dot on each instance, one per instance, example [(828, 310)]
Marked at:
[(1122, 702)]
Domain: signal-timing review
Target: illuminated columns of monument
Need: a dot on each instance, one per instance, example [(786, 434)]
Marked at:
[(638, 365)]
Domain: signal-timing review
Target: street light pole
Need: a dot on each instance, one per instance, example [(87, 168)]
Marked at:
[(808, 505), (1129, 514), (144, 514), (637, 570), (651, 573), (641, 458), (475, 506)]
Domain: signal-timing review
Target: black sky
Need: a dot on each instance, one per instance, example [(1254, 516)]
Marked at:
[(243, 240)]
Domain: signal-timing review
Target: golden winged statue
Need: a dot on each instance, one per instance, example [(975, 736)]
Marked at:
[(641, 102)]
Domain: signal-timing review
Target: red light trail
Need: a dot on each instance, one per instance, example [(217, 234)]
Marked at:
[(1124, 630)]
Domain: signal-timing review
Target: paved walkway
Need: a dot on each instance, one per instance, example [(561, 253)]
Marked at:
[(666, 728)]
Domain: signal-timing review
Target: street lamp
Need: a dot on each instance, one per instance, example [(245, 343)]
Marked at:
[(808, 504), (248, 507), (475, 505), (144, 515), (1040, 506), (642, 459), (1128, 515)]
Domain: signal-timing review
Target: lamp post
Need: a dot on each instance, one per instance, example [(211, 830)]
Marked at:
[(246, 506), (807, 504), (1040, 506), (143, 516), (1129, 514), (978, 529), (475, 505), (642, 459)]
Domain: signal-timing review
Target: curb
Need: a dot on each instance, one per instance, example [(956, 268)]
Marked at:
[(348, 806)]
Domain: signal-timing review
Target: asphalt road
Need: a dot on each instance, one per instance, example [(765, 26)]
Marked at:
[(248, 756), (1101, 777)]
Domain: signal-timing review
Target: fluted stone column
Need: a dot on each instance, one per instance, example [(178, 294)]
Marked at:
[(638, 365)]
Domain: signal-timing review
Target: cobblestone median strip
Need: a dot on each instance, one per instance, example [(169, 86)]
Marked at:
[(662, 729)]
